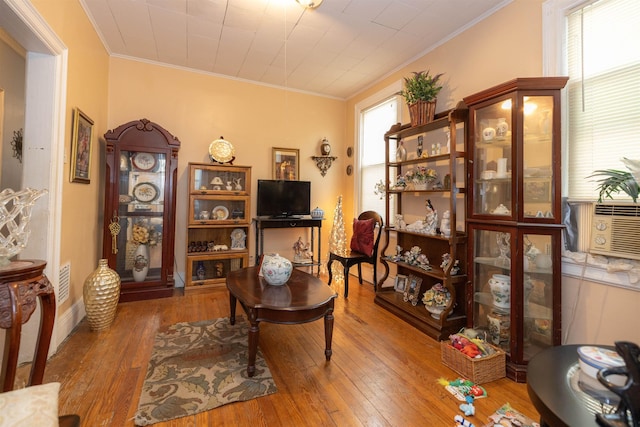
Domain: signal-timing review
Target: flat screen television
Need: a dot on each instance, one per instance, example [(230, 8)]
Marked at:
[(278, 198)]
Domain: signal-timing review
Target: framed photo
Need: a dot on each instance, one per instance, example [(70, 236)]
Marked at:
[(537, 191), (401, 283), (81, 145), (286, 164), (412, 289)]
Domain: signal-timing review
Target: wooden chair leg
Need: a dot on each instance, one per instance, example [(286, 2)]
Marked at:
[(346, 281), (329, 269), (375, 277), (360, 273)]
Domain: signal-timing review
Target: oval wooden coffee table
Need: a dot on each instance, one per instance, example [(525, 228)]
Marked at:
[(304, 298)]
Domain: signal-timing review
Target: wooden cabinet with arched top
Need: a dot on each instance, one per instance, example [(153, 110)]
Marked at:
[(139, 209)]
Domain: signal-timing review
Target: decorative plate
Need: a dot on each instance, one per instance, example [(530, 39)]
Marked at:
[(221, 151), (220, 212), (146, 192), (143, 161)]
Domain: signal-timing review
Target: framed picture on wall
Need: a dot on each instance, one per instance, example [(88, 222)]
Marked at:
[(286, 164), (81, 145)]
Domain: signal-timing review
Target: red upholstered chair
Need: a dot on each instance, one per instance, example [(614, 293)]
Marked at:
[(367, 229)]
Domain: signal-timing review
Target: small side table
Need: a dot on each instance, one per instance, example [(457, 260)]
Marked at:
[(20, 283), (550, 389)]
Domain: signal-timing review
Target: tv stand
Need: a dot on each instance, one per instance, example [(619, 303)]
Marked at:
[(290, 222)]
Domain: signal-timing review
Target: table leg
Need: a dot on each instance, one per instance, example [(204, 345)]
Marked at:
[(254, 334), (12, 339), (47, 318), (232, 309), (328, 333)]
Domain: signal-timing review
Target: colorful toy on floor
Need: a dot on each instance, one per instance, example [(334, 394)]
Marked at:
[(468, 408), (461, 388), (461, 422), (468, 342)]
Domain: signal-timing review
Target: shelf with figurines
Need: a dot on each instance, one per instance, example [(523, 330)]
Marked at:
[(426, 162)]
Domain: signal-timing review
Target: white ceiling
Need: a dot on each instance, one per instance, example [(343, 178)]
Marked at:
[(336, 50)]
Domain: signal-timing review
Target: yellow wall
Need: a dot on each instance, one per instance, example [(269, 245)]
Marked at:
[(505, 45), (198, 108), (88, 70)]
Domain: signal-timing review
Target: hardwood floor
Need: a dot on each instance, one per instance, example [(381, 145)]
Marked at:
[(383, 372)]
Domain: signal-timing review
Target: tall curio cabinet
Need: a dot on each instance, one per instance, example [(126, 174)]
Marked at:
[(140, 205), (514, 217)]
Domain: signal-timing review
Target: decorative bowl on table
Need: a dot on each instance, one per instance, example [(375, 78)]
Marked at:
[(317, 213), (275, 269), (15, 213)]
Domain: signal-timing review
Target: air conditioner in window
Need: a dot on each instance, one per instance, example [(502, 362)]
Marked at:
[(616, 230)]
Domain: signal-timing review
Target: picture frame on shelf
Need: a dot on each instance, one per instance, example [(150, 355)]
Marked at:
[(81, 147), (537, 191), (400, 283), (412, 289), (286, 164)]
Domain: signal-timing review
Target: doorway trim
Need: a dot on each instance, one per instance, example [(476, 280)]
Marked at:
[(43, 147)]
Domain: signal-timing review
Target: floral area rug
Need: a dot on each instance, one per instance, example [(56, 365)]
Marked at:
[(199, 366)]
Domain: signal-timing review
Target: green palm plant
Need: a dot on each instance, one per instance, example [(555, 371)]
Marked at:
[(613, 181)]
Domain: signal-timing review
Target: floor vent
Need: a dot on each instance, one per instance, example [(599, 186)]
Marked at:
[(64, 278)]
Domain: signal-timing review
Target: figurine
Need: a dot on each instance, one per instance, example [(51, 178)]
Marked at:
[(431, 219), (445, 224), (302, 252), (238, 183)]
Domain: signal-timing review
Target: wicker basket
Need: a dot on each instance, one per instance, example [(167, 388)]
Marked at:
[(422, 112), (483, 370)]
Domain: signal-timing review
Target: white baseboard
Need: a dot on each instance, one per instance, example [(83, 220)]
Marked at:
[(66, 323)]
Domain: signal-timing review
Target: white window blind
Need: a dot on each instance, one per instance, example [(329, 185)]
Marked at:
[(603, 92), (376, 121)]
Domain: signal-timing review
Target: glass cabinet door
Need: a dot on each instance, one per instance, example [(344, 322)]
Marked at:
[(216, 180), (493, 167), (537, 157), (492, 284), (538, 291), (516, 300), (141, 193), (218, 210)]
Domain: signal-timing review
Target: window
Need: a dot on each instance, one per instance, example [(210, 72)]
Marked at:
[(374, 117), (376, 121), (603, 107)]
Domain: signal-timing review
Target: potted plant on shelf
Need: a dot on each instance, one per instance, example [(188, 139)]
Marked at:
[(420, 92), (613, 181)]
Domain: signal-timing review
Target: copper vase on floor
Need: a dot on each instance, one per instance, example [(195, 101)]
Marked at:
[(101, 293)]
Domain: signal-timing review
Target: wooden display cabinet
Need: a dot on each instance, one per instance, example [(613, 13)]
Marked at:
[(514, 216), (218, 223), (140, 201), (447, 131)]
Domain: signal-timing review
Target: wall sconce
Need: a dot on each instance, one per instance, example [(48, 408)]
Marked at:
[(324, 161)]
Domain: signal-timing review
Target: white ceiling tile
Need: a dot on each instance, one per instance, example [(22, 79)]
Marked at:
[(335, 50)]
